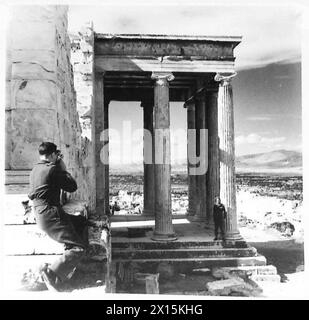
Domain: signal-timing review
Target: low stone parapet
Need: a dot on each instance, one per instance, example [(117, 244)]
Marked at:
[(18, 209)]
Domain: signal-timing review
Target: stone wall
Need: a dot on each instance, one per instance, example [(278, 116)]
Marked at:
[(82, 60), (40, 95)]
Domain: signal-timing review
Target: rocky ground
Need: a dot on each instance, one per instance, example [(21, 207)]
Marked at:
[(263, 201), (270, 219), (286, 254)]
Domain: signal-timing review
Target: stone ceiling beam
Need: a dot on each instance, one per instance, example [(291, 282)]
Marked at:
[(137, 64)]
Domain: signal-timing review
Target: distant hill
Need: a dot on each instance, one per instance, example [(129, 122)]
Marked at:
[(132, 168), (280, 161), (138, 168)]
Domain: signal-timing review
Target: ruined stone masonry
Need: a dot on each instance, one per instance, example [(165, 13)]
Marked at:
[(40, 95), (82, 62)]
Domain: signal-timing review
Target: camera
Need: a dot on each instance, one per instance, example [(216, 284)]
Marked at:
[(59, 154)]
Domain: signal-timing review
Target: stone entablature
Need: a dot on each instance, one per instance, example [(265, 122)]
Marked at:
[(164, 53), (143, 45)]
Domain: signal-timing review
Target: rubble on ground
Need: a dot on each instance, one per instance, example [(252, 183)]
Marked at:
[(234, 286)]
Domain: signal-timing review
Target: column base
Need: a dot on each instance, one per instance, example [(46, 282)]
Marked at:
[(234, 236), (163, 237)]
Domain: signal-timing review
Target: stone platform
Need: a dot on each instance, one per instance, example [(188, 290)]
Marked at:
[(133, 252), (194, 248)]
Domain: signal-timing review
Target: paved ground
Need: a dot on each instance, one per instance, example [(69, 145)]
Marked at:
[(184, 229), (286, 255)]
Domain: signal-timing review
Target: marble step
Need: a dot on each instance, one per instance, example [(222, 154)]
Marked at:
[(179, 244), (183, 253), (183, 264)]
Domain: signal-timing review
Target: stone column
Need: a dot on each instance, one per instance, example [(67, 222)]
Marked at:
[(162, 167), (212, 180), (200, 113), (149, 189), (191, 177), (227, 153), (106, 157), (100, 144)]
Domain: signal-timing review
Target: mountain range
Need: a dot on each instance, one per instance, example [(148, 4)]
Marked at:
[(278, 161)]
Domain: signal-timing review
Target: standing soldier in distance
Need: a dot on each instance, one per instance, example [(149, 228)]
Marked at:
[(219, 214)]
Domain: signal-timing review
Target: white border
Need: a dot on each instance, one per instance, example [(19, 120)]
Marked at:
[(301, 4)]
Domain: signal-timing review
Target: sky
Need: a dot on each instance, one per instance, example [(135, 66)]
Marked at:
[(270, 34), (267, 89)]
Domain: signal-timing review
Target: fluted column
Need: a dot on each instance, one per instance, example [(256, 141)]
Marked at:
[(149, 188), (227, 154), (106, 156), (212, 180), (201, 150), (100, 145), (191, 177), (162, 167)]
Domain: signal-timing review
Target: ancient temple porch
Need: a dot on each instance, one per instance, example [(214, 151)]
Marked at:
[(155, 70), (151, 69)]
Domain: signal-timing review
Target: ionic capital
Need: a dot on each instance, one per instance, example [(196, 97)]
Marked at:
[(189, 104), (225, 78), (162, 77)]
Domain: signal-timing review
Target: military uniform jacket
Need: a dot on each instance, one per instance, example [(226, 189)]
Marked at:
[(219, 211), (46, 181)]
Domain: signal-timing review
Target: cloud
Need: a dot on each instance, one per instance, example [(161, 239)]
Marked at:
[(273, 117), (259, 118), (259, 140), (270, 34)]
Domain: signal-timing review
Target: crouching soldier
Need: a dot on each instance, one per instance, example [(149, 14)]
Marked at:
[(219, 214), (47, 178)]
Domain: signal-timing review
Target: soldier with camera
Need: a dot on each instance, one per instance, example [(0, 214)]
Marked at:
[(47, 179)]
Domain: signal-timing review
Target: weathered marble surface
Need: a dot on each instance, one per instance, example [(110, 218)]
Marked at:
[(41, 99), (33, 94), (38, 35), (28, 128)]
